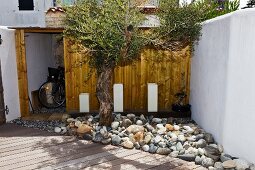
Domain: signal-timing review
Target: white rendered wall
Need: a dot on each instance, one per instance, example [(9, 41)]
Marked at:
[(39, 55), (9, 73), (11, 16), (223, 84)]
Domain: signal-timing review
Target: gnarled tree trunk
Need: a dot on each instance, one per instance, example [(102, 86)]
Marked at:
[(104, 82)]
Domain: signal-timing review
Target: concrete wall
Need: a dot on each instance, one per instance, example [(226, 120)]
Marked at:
[(11, 16), (40, 56), (222, 82), (9, 73)]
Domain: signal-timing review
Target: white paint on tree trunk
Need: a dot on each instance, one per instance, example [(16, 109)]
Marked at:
[(118, 97), (152, 97), (84, 102)]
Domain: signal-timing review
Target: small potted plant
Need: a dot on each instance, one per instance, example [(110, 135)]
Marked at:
[(179, 105)]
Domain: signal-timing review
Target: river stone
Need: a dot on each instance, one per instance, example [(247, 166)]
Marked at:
[(201, 143), (220, 148), (98, 137), (218, 166), (241, 164), (104, 132), (229, 164), (200, 136), (201, 151), (207, 162), (174, 154), (84, 129), (139, 122), (77, 123), (192, 138), (146, 148), (156, 120), (128, 144), (169, 127), (162, 144), (160, 126), (139, 136), (135, 129), (57, 129), (198, 160), (212, 152), (131, 116), (179, 146), (225, 157), (149, 127), (126, 123), (187, 157), (115, 125), (211, 168), (137, 145), (142, 117), (87, 137), (157, 139), (173, 137), (208, 138), (147, 139), (153, 148), (106, 141), (69, 120), (116, 140), (188, 129), (252, 167), (163, 151), (181, 138), (176, 127)]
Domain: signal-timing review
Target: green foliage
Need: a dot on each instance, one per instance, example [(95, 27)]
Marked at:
[(109, 30), (250, 4), (211, 9), (180, 25)]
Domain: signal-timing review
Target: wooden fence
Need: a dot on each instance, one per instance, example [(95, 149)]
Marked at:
[(170, 70)]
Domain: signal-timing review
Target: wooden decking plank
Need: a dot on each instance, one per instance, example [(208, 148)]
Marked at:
[(38, 150), (135, 163), (26, 140), (129, 155), (97, 159), (40, 157), (7, 140), (42, 142), (57, 158), (10, 130)]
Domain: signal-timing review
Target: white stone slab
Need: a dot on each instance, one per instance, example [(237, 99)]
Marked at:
[(84, 102), (118, 97), (152, 97)]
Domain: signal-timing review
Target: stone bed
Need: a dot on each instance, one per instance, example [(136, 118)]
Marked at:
[(181, 138)]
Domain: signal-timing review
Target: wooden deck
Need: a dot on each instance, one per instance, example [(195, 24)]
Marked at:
[(26, 148)]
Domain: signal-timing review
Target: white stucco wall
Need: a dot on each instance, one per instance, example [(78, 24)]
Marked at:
[(222, 82), (39, 55), (9, 73), (12, 16)]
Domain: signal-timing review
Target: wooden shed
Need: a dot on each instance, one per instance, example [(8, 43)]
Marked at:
[(170, 70)]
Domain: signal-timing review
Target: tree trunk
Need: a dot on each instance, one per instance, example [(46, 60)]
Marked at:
[(104, 82)]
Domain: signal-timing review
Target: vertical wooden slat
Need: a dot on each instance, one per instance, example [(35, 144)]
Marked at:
[(22, 72)]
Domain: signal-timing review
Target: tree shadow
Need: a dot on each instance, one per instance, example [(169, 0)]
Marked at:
[(28, 148)]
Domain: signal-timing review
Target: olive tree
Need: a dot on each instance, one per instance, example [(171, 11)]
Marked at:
[(108, 29)]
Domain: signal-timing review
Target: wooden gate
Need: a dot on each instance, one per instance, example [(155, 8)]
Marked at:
[(2, 107)]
